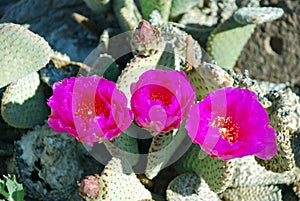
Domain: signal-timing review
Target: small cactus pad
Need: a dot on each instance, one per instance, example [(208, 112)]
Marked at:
[(98, 6), (208, 77), (127, 14), (163, 148), (23, 103), (117, 182), (217, 173), (189, 187), (22, 52), (227, 41), (255, 193), (124, 147), (257, 15), (163, 7)]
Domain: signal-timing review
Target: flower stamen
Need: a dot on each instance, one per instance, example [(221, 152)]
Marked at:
[(101, 107), (227, 129), (162, 94)]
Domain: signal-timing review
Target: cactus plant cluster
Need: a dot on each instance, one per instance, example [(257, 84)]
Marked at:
[(49, 163)]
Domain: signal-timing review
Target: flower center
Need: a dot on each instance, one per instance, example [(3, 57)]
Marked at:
[(101, 107), (227, 129), (84, 108), (162, 94)]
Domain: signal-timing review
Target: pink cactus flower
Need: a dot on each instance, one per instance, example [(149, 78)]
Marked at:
[(231, 123), (161, 100), (91, 109)]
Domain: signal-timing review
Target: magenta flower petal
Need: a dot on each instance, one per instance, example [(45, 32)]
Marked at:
[(161, 99), (91, 109), (231, 123)]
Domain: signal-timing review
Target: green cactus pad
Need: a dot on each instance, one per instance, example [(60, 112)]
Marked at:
[(22, 52), (98, 6), (217, 173), (189, 187), (127, 14), (163, 148), (255, 193), (124, 147), (23, 103), (163, 6), (208, 77), (105, 66), (227, 41), (120, 183), (257, 15), (138, 65), (181, 6)]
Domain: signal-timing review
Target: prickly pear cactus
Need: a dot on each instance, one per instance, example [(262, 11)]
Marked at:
[(190, 187), (49, 175), (117, 182), (23, 103), (217, 173), (22, 52)]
